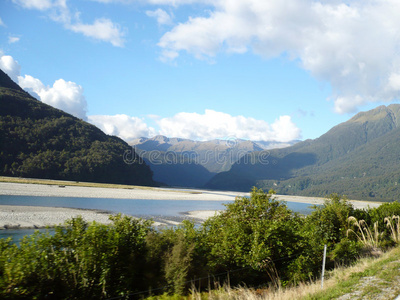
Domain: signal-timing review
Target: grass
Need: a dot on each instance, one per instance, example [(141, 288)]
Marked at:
[(365, 280), (365, 235), (394, 227)]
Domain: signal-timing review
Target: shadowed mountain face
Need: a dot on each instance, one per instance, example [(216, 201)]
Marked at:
[(183, 162), (39, 141), (357, 158)]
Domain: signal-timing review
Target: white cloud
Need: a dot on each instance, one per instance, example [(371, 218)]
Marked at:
[(394, 82), (162, 17), (13, 39), (35, 4), (10, 66), (65, 95), (123, 126), (2, 23), (213, 125), (353, 46), (31, 85), (208, 126), (349, 103), (157, 2), (102, 29)]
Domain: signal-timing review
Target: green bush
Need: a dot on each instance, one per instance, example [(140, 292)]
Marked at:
[(328, 223), (81, 261), (257, 233), (346, 252), (378, 214)]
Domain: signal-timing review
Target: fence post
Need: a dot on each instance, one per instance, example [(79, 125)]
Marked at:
[(323, 268)]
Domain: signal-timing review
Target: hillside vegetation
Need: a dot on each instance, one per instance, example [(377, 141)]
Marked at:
[(39, 141), (358, 158)]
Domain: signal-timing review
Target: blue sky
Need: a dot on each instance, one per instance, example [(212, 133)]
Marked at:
[(201, 69)]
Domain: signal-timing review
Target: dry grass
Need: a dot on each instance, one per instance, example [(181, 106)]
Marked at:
[(299, 292), (342, 283), (370, 239), (394, 227)]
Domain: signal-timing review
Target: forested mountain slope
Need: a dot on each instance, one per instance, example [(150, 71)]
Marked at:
[(358, 158), (39, 141)]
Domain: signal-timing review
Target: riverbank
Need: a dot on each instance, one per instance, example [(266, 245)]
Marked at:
[(51, 190), (37, 217), (19, 217), (64, 190)]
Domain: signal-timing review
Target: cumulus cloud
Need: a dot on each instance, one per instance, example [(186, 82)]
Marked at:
[(123, 126), (65, 95), (208, 126), (213, 125), (102, 29), (162, 17), (10, 66), (31, 85), (353, 45)]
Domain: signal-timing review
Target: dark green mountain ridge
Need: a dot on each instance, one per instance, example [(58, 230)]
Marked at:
[(358, 158), (39, 141)]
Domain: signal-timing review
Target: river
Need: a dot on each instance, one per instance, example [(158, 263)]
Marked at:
[(135, 207)]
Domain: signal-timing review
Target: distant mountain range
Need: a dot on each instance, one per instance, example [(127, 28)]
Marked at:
[(39, 141), (359, 158), (184, 162)]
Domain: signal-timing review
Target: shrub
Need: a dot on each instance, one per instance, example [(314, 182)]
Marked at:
[(346, 252), (378, 214), (81, 261), (252, 233)]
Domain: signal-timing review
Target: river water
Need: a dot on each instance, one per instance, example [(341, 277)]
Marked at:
[(134, 207)]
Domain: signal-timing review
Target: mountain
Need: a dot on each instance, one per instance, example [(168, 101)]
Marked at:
[(358, 158), (184, 162), (159, 142), (39, 141)]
